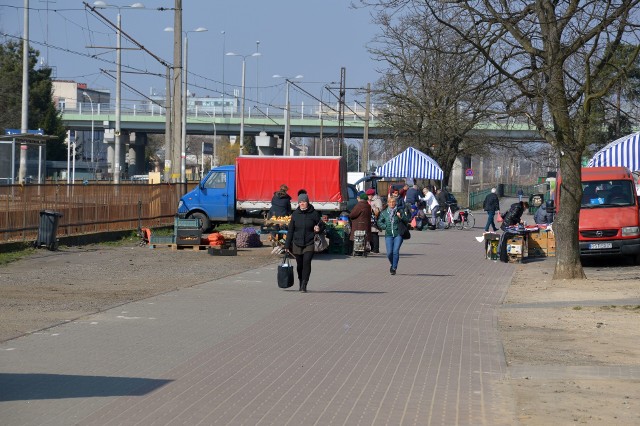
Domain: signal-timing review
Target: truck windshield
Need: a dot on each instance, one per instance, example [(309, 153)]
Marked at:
[(608, 193)]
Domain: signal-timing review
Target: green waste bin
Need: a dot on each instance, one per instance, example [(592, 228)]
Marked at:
[(48, 229)]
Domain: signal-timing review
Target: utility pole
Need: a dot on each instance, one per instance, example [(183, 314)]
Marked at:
[(343, 72), (176, 113), (365, 139), (168, 132), (24, 127)]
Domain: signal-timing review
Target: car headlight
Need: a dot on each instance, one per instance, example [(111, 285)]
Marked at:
[(180, 204), (629, 231)]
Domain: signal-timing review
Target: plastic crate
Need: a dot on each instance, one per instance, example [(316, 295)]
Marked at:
[(162, 239), (186, 223)]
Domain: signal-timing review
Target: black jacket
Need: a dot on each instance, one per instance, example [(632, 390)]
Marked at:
[(300, 231), (512, 217), (491, 203), (280, 204)]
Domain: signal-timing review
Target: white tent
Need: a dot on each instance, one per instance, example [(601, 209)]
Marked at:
[(624, 152), (411, 163)]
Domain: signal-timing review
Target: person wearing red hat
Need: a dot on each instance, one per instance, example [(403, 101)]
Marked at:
[(376, 207)]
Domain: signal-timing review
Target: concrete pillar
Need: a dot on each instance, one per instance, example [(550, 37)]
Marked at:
[(137, 143), (457, 177)]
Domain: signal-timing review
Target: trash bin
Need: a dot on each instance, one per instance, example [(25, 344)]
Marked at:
[(535, 201), (501, 190), (48, 230)]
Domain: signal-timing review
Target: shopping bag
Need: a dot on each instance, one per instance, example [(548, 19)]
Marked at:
[(285, 273), (320, 243), (498, 216), (414, 223)]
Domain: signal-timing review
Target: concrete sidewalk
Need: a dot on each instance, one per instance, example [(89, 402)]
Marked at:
[(362, 347)]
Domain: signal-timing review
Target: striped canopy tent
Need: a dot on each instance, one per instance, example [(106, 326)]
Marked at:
[(411, 163), (623, 152)]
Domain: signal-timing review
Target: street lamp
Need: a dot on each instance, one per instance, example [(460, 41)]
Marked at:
[(258, 74), (116, 150), (224, 39), (92, 134), (92, 137), (244, 58), (287, 119), (183, 139)]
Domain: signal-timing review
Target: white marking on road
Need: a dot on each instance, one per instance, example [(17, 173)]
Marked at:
[(55, 334), (127, 318), (10, 349), (93, 323)]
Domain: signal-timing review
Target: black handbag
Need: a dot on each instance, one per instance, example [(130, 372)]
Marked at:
[(285, 273), (403, 230)]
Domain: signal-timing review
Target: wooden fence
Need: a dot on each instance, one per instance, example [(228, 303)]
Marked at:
[(86, 209)]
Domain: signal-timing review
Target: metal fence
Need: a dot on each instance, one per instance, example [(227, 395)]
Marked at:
[(86, 209)]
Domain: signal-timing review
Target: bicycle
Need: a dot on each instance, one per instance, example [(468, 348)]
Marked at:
[(466, 220)]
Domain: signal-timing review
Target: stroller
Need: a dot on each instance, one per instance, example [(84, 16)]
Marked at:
[(359, 243)]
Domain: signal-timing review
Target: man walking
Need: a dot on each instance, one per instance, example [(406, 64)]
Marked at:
[(491, 206)]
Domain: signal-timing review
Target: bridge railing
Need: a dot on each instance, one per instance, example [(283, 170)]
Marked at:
[(353, 113)]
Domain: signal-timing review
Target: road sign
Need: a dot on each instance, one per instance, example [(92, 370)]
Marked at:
[(468, 172)]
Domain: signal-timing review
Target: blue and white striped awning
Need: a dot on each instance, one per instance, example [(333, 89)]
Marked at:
[(623, 152), (411, 163)]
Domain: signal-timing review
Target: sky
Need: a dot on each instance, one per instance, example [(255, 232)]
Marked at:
[(296, 37)]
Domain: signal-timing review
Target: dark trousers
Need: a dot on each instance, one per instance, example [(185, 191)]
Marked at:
[(375, 242), (490, 221), (303, 265)]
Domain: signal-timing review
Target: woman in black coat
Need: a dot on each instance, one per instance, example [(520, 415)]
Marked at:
[(305, 223), (512, 217), (280, 203)]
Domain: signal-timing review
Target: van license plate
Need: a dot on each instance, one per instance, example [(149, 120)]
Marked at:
[(596, 246)]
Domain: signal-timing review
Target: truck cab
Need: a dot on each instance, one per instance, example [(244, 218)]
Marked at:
[(609, 223), (213, 200)]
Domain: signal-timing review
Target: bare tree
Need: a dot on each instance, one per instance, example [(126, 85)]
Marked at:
[(434, 87), (553, 54)]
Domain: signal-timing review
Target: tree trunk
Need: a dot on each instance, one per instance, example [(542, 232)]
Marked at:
[(568, 264)]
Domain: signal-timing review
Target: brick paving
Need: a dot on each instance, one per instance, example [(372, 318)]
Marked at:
[(362, 347)]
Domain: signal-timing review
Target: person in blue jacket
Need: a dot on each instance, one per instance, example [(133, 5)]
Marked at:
[(388, 221)]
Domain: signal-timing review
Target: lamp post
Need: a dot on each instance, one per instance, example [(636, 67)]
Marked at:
[(224, 39), (92, 136), (244, 58), (287, 119), (257, 74), (183, 139), (116, 150)]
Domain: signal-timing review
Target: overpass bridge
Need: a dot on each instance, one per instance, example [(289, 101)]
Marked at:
[(301, 125)]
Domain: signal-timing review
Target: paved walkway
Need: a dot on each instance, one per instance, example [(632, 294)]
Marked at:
[(361, 348)]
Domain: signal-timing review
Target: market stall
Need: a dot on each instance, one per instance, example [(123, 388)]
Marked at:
[(623, 152), (411, 163)]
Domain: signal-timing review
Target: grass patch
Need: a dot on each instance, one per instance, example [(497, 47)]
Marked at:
[(577, 308), (13, 256)]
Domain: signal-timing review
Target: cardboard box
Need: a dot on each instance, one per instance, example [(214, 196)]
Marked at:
[(518, 246), (537, 242)]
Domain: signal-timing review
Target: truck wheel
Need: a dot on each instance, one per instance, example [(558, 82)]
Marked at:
[(205, 224)]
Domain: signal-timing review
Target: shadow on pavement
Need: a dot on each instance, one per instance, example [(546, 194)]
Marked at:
[(25, 387)]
